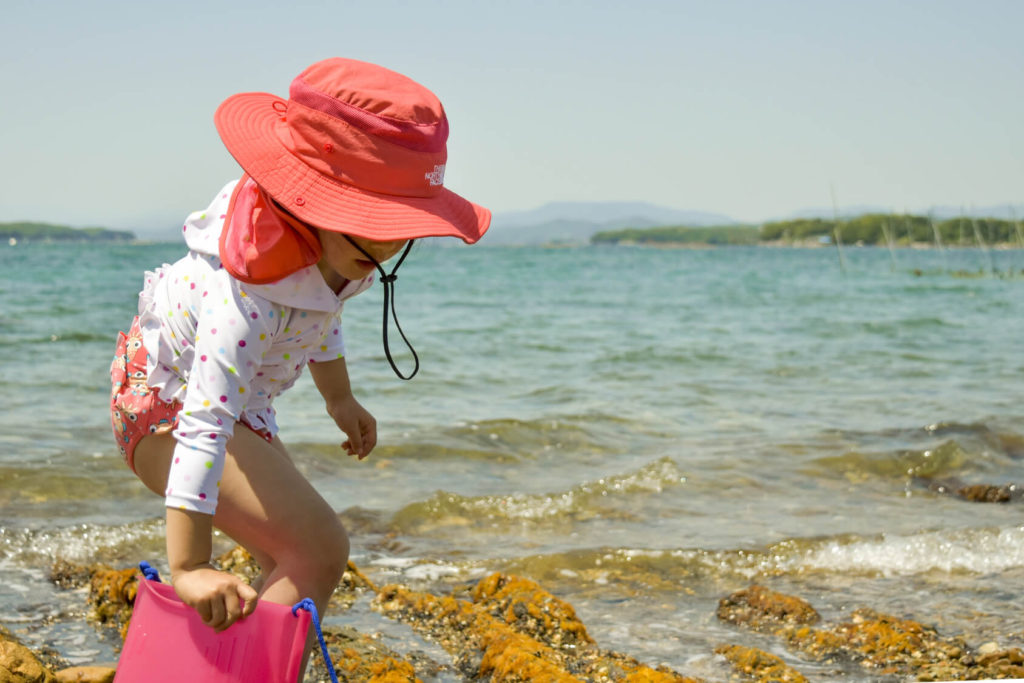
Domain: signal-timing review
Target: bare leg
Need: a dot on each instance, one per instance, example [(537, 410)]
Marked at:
[(270, 508)]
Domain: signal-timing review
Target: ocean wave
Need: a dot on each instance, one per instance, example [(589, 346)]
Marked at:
[(587, 500), (84, 543), (978, 551)]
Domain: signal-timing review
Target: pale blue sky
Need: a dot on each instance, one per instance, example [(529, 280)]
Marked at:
[(750, 109)]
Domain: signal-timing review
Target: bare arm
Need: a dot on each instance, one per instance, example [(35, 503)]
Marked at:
[(219, 598), (331, 379)]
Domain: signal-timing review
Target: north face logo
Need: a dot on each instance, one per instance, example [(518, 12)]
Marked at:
[(436, 177)]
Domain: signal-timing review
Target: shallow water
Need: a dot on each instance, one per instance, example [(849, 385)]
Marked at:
[(641, 430)]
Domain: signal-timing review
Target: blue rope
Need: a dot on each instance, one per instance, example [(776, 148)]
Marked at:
[(149, 571), (310, 607)]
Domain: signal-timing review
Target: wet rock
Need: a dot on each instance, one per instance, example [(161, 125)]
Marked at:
[(758, 608), (528, 608), (487, 647), (85, 674), (985, 493), (481, 645), (239, 562), (68, 575), (359, 657), (18, 664), (975, 493), (353, 584), (759, 665), (112, 595), (883, 643)]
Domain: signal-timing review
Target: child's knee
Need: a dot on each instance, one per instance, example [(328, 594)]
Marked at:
[(327, 556)]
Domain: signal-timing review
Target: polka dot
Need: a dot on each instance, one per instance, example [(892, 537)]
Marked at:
[(254, 315), (223, 399), (202, 496), (203, 357), (287, 356), (241, 343), (213, 330), (209, 464), (206, 403), (241, 390), (212, 435)]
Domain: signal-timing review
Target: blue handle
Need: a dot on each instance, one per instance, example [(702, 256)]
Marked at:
[(310, 607)]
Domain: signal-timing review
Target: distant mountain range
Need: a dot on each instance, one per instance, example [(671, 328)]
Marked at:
[(576, 222)]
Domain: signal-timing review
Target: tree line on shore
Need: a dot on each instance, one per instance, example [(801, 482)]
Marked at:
[(873, 229), (30, 231)]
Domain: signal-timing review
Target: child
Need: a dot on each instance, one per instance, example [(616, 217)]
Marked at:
[(339, 177)]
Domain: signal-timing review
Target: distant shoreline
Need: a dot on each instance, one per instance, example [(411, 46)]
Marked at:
[(27, 231), (883, 230)]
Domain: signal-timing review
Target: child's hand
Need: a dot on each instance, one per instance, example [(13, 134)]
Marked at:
[(219, 598), (358, 425)]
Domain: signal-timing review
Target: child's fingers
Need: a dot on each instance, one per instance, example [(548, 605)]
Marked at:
[(204, 610), (249, 598), (369, 440), (355, 441), (232, 609), (217, 613)]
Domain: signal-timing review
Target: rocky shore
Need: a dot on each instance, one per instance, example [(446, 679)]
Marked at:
[(508, 628)]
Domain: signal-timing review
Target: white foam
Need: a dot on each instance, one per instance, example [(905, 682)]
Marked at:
[(980, 551)]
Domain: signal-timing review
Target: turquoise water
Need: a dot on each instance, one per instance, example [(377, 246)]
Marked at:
[(641, 430)]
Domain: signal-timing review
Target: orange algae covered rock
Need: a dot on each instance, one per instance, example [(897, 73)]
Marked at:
[(886, 644), (494, 648), (882, 640), (112, 595), (358, 657), (528, 608), (471, 634), (760, 665), (19, 665), (762, 609)]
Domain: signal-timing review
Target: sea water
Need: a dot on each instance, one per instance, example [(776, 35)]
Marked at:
[(641, 430)]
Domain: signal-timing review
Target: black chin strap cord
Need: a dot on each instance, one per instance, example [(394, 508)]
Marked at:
[(389, 302)]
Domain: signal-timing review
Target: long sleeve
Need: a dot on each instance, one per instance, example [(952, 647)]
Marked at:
[(231, 338)]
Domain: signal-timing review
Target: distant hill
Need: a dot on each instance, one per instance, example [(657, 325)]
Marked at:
[(576, 222), (29, 231)]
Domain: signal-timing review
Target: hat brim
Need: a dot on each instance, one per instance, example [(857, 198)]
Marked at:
[(248, 126)]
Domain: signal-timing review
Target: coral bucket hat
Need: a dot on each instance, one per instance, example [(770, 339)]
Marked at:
[(357, 149)]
